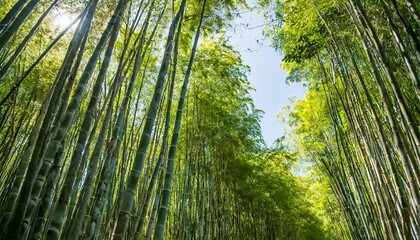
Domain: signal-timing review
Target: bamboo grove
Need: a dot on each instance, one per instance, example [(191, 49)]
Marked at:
[(135, 122), (359, 123)]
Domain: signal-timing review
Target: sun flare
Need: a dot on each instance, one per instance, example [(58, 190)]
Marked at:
[(62, 20)]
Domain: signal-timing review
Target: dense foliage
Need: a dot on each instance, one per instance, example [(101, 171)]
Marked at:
[(136, 122), (359, 123)]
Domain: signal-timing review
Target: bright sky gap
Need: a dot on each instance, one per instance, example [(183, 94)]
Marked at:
[(266, 77)]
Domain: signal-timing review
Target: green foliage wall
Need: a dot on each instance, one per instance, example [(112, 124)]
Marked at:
[(89, 124)]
